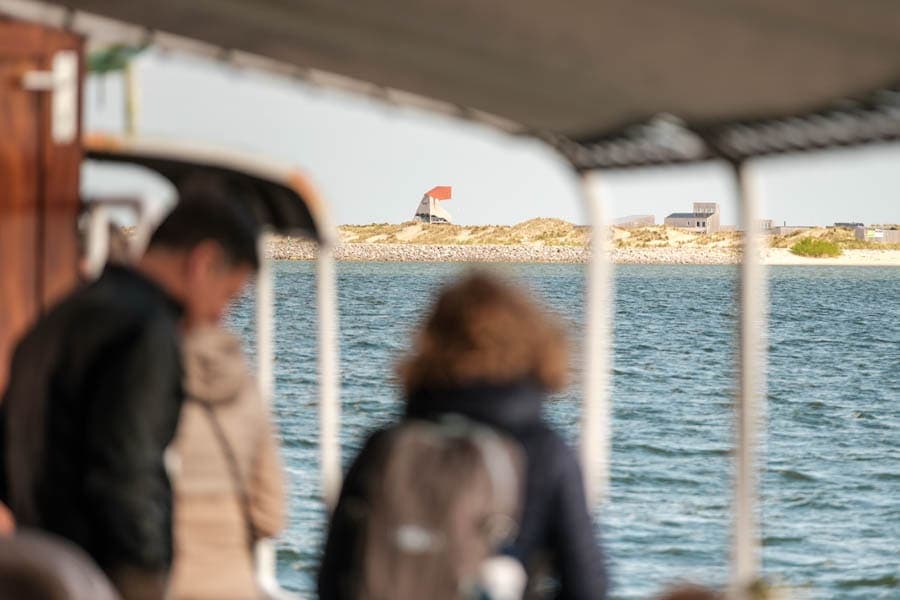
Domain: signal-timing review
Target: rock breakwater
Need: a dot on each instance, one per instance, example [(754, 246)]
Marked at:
[(297, 249)]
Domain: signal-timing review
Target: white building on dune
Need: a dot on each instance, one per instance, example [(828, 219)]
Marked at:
[(430, 209), (703, 219)]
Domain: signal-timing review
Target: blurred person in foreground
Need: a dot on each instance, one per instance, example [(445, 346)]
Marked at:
[(95, 393), (7, 522), (228, 483), (487, 352), (690, 591)]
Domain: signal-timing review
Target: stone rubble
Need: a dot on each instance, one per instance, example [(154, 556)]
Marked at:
[(299, 249)]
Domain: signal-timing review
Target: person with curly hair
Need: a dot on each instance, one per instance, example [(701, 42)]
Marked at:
[(488, 352)]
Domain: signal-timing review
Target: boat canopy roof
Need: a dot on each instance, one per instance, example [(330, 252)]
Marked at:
[(279, 196), (610, 83)]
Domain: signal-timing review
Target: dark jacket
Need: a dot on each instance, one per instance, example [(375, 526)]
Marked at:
[(92, 403), (555, 528)]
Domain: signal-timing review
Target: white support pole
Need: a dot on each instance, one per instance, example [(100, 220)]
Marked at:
[(265, 376), (329, 398), (750, 399), (132, 98), (596, 428), (97, 243), (266, 559), (265, 317)]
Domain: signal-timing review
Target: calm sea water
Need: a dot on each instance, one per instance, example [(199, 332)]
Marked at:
[(831, 482)]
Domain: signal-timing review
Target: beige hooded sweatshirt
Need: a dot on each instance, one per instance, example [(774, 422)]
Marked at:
[(212, 556)]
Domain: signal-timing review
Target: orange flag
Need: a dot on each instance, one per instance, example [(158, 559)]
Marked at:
[(441, 192)]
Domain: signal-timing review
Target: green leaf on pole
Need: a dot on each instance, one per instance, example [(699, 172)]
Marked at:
[(113, 58)]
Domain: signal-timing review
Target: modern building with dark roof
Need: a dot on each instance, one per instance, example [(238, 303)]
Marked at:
[(704, 218)]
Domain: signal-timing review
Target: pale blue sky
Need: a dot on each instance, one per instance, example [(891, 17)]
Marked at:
[(374, 161)]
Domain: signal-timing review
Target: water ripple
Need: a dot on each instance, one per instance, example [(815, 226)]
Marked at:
[(831, 448)]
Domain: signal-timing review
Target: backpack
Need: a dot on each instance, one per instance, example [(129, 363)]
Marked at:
[(446, 497)]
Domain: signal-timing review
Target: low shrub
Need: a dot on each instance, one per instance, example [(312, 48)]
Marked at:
[(816, 248)]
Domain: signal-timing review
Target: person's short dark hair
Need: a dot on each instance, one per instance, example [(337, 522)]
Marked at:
[(207, 214)]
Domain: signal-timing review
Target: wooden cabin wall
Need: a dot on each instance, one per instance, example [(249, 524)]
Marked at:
[(39, 182)]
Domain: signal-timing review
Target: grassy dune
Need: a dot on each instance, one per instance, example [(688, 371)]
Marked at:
[(543, 232), (842, 236), (556, 232)]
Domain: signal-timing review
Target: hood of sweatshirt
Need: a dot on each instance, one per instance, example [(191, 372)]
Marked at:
[(214, 365), (513, 407)]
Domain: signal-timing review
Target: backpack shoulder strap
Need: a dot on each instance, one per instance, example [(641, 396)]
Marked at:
[(234, 471)]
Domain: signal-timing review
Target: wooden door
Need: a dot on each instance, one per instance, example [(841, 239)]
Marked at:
[(39, 176)]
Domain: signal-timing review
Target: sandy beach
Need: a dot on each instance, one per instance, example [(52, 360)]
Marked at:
[(849, 258)]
